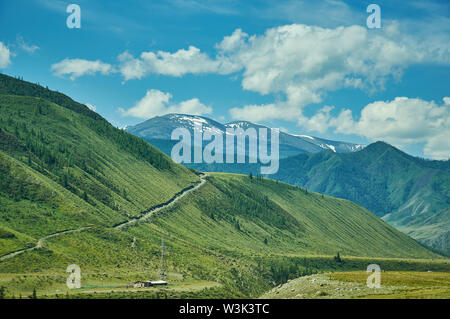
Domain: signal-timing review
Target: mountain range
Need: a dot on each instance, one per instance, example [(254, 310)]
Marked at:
[(410, 193), (157, 131), (68, 178)]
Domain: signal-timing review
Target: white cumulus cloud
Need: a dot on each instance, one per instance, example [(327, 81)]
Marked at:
[(175, 64), (402, 121), (156, 103), (298, 63), (305, 62), (79, 67), (232, 42), (186, 61)]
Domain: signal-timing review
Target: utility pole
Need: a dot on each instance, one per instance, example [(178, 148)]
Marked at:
[(163, 273), (140, 266)]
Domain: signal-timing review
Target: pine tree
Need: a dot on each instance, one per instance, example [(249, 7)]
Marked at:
[(65, 181), (337, 258)]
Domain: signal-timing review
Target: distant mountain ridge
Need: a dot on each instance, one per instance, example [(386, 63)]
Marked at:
[(410, 193), (158, 131)]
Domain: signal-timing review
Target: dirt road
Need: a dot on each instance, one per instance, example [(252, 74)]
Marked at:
[(130, 222)]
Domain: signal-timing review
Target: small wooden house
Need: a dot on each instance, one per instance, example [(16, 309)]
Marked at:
[(159, 283), (145, 284), (142, 284)]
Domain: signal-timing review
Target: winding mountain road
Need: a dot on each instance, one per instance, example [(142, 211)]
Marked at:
[(149, 212), (165, 205), (40, 242)]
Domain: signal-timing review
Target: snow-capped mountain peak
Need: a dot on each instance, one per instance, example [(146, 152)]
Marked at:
[(161, 127)]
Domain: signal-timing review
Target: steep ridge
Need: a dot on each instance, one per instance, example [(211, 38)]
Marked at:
[(63, 168), (410, 193)]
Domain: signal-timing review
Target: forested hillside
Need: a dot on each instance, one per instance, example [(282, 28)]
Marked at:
[(72, 167), (410, 193)]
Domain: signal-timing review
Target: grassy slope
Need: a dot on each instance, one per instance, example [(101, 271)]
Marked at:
[(61, 171), (62, 167), (293, 221), (207, 245), (394, 285), (412, 194)]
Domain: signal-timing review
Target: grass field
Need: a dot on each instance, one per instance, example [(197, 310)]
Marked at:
[(350, 285), (99, 285), (408, 284)]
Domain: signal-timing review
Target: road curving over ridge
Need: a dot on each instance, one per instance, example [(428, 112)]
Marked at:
[(145, 215)]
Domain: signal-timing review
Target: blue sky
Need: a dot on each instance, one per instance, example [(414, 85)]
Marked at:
[(307, 67)]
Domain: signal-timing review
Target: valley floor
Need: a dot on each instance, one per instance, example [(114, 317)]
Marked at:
[(349, 285), (240, 263), (52, 286), (342, 284)]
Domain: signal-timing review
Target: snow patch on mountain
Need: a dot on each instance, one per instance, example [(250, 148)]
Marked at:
[(160, 128), (300, 135)]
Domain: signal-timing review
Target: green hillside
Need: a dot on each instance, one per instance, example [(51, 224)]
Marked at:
[(410, 193), (292, 220), (64, 168)]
